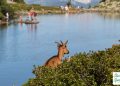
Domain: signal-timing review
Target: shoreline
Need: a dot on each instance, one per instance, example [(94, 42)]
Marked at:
[(75, 11), (47, 12), (23, 9)]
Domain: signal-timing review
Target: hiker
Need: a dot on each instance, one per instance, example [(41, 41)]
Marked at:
[(62, 9), (20, 19), (34, 16), (7, 16), (66, 8), (30, 15)]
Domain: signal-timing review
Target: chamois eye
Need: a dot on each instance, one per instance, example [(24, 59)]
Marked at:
[(64, 47)]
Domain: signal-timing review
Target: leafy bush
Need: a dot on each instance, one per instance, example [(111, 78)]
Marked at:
[(6, 8), (2, 2), (1, 15), (84, 69)]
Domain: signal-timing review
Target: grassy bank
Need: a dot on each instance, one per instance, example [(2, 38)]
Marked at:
[(84, 69), (25, 8)]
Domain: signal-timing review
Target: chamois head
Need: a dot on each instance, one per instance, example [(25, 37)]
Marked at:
[(62, 47)]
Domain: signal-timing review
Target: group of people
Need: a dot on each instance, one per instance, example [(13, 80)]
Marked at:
[(64, 9), (31, 16)]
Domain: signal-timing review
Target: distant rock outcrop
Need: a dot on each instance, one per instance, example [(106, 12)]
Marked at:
[(11, 2), (109, 5)]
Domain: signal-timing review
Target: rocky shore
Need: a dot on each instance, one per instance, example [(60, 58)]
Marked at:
[(108, 6)]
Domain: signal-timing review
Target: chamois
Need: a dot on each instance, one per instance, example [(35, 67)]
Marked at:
[(56, 60)]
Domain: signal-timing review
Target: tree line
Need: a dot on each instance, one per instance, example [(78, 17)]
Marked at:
[(4, 8)]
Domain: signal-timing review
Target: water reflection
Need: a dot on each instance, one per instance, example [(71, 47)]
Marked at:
[(4, 26), (32, 27), (3, 35), (110, 15)]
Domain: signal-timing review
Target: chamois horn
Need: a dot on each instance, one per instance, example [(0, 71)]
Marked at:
[(61, 42), (58, 44), (66, 42)]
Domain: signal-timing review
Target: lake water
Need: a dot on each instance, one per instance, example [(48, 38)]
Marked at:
[(22, 46)]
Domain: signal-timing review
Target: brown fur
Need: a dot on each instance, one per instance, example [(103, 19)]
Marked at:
[(53, 62), (57, 60)]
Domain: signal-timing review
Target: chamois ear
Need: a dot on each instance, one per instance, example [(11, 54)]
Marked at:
[(66, 42)]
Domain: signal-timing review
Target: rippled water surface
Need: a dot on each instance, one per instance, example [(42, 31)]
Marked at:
[(22, 46)]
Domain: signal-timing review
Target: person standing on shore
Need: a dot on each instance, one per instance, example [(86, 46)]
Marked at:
[(7, 16), (66, 9), (29, 15), (20, 19), (62, 9), (34, 16)]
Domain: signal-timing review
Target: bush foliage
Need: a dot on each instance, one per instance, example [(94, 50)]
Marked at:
[(2, 2), (84, 69), (1, 15), (7, 8), (4, 8)]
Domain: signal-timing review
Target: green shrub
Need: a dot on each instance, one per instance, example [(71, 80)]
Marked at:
[(2, 2), (84, 69), (1, 16), (7, 8)]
